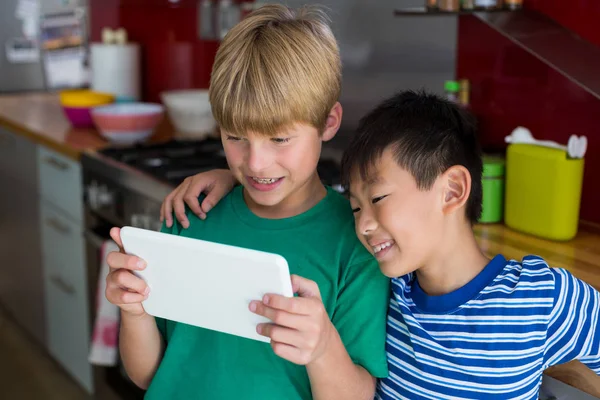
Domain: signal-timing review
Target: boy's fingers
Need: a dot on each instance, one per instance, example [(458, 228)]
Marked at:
[(115, 234), (305, 287), (279, 317), (213, 196), (281, 334), (179, 205), (119, 296), (192, 201), (292, 305), (117, 260), (124, 279), (166, 210), (290, 353)]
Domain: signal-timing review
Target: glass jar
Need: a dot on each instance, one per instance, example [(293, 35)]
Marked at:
[(449, 5)]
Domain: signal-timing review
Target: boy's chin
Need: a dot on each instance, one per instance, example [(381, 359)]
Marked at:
[(394, 268)]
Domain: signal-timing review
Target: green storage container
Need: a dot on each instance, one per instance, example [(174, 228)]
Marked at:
[(493, 189)]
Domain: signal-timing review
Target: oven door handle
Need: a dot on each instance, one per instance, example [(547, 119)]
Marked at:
[(96, 240)]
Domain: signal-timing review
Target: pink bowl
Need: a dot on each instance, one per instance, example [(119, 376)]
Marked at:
[(127, 122), (80, 117)]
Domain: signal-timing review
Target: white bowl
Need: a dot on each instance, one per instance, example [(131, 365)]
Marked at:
[(190, 112)]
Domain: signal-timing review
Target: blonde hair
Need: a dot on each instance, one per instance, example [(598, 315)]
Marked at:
[(276, 68)]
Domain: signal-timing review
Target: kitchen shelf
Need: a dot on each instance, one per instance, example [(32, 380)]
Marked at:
[(556, 46), (422, 11)]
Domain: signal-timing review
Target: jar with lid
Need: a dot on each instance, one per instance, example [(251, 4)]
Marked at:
[(492, 189), (449, 5)]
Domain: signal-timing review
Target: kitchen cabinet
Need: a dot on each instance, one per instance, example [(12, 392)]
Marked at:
[(64, 263), (66, 293), (21, 275)]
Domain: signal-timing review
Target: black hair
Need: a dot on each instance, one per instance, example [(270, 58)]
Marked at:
[(427, 135)]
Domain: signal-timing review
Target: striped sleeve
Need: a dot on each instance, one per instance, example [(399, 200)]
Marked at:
[(574, 323)]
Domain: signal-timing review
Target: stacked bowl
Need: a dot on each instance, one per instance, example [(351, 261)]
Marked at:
[(77, 105)]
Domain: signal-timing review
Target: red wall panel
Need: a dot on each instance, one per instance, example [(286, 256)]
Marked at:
[(580, 16)]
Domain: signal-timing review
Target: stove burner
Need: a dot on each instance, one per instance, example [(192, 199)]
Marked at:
[(156, 162)]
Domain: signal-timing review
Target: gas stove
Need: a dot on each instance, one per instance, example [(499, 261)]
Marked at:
[(126, 185)]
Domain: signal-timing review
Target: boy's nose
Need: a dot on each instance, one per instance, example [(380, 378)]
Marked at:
[(257, 160), (366, 223)]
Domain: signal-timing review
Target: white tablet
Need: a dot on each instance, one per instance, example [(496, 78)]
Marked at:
[(206, 284)]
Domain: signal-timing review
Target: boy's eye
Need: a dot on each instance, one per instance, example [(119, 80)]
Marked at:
[(378, 199), (280, 140), (234, 138), (355, 210)]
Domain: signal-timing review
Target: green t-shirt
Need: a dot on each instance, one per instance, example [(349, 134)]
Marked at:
[(320, 245)]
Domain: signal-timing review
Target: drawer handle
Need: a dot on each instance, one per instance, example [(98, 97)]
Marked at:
[(57, 226), (62, 285), (58, 164)]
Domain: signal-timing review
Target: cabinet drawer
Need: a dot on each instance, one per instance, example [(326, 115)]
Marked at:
[(60, 182), (63, 247), (18, 159), (68, 332)]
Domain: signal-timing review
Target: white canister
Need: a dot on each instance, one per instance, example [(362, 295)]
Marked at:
[(116, 69)]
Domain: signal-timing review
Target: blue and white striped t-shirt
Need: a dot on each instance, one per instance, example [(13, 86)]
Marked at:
[(492, 338)]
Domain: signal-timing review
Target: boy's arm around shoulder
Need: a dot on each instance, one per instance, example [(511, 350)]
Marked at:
[(360, 322), (574, 325)]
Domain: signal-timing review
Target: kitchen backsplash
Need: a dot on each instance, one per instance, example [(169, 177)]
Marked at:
[(580, 16)]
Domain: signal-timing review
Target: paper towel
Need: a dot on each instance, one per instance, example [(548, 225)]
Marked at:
[(116, 70)]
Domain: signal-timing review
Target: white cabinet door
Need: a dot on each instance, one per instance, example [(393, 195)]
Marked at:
[(65, 278)]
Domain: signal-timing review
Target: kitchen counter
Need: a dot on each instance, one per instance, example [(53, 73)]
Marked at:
[(40, 118), (580, 256)]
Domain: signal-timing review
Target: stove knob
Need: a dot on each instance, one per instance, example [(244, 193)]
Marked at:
[(92, 194), (104, 197)]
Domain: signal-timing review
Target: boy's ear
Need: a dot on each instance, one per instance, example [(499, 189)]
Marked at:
[(334, 120), (457, 187)]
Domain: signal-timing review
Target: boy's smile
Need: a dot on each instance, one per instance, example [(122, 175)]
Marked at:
[(394, 219)]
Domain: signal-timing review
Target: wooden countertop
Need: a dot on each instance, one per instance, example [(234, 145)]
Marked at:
[(39, 117), (580, 256)]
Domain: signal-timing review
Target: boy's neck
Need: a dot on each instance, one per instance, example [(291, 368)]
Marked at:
[(299, 201), (457, 262)]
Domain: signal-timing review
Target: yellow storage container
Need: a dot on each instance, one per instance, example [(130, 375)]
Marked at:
[(543, 191)]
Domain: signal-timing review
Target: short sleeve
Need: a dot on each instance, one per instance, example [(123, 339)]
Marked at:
[(574, 326), (360, 315)]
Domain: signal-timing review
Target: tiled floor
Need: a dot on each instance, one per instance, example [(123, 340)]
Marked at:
[(26, 372)]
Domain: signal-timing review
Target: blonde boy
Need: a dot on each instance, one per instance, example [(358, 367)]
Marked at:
[(274, 92)]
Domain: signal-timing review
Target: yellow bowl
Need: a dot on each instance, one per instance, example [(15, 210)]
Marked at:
[(84, 98)]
